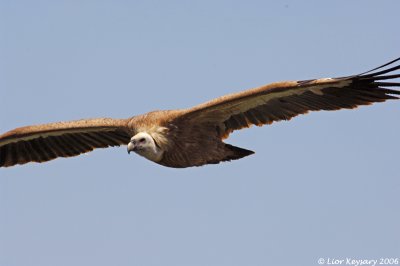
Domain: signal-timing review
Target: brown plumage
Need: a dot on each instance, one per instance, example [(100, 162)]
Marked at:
[(193, 137)]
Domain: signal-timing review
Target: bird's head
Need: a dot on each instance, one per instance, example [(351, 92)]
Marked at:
[(143, 144)]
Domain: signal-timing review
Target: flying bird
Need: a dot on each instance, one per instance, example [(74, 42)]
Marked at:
[(194, 137)]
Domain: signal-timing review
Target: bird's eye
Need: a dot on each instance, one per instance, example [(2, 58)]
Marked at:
[(141, 140)]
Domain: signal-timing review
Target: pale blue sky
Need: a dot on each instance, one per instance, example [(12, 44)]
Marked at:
[(322, 185)]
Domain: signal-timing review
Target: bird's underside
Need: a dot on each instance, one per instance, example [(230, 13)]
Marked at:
[(194, 136)]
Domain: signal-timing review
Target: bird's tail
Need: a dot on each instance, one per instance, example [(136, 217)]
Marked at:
[(234, 153)]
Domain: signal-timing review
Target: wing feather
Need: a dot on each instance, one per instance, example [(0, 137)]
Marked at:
[(46, 142), (285, 100)]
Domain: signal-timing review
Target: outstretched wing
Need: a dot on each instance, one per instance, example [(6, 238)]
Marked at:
[(284, 100), (41, 143)]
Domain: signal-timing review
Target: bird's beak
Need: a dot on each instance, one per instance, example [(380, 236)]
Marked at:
[(131, 147)]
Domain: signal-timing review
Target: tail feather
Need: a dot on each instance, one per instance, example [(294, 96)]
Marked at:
[(234, 153)]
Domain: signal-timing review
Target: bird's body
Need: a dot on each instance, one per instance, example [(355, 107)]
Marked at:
[(194, 136)]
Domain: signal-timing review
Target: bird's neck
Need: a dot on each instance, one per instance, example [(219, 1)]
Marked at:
[(154, 154)]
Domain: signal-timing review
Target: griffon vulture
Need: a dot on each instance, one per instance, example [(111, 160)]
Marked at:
[(194, 136)]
